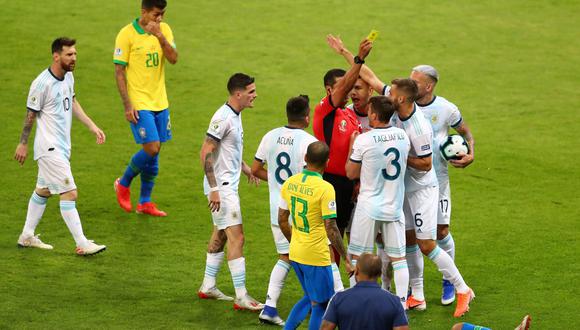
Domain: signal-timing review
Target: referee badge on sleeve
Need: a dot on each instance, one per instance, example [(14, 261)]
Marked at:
[(332, 205)]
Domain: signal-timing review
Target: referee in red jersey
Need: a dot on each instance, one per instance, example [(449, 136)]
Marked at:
[(334, 125)]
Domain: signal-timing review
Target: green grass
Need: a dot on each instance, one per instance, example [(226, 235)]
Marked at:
[(511, 66)]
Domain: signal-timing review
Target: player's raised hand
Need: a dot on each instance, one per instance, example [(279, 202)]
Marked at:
[(214, 201), (131, 114), (153, 28), (335, 43), (99, 134), (21, 153), (364, 48), (463, 161)]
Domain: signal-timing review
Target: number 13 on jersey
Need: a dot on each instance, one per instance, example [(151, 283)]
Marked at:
[(305, 227)]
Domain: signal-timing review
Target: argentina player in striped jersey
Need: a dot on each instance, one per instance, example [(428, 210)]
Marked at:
[(52, 103), (283, 150), (442, 115), (379, 158)]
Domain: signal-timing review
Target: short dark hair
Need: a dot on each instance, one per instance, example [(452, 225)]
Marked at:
[(150, 4), (239, 81), (297, 108), (370, 265), (317, 154), (408, 87), (59, 43), (331, 75), (383, 107)]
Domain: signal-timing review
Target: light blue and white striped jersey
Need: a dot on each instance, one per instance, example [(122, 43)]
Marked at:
[(283, 149), (420, 134), (383, 154), (442, 115), (52, 99), (226, 128)]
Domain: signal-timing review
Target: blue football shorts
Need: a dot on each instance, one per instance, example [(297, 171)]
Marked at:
[(152, 126), (316, 281)]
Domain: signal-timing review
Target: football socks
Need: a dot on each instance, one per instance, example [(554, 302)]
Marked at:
[(447, 267), (213, 263), (277, 279), (416, 265), (36, 207), (337, 281), (71, 217), (238, 271), (138, 162), (401, 275), (148, 175)]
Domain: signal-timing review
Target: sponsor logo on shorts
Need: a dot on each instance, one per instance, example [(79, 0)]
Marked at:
[(142, 132), (332, 205)]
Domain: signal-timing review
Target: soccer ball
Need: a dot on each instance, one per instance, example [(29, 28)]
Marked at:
[(454, 145)]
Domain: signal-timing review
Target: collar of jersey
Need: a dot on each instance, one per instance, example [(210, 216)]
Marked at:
[(428, 103), (137, 27), (54, 76), (307, 172), (232, 108), (358, 113), (367, 284), (411, 115)]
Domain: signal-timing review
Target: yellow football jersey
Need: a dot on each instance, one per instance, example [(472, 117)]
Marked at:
[(311, 201), (143, 56)]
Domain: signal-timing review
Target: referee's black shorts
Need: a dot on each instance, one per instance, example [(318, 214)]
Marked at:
[(343, 188)]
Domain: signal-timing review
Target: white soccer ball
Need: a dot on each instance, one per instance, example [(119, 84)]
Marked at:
[(454, 145)]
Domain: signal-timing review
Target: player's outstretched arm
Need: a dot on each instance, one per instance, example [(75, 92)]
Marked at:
[(87, 121), (121, 77), (365, 72), (248, 172), (344, 85), (206, 156), (22, 148), (284, 224), (468, 158), (259, 171), (168, 50), (336, 240)]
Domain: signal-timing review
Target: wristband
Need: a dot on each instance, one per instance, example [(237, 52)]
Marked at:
[(212, 189), (358, 60)]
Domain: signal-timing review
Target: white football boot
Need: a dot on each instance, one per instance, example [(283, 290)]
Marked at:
[(247, 302), (90, 249), (213, 293), (33, 242)]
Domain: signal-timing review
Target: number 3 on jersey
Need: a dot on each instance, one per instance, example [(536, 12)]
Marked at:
[(305, 228), (282, 165), (395, 164)]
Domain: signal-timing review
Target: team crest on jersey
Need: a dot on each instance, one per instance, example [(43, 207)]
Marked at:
[(342, 126), (118, 52), (434, 119), (142, 132), (332, 205)]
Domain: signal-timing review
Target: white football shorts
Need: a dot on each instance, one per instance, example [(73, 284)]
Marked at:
[(420, 208), (364, 232), (230, 212), (444, 214), (55, 174)]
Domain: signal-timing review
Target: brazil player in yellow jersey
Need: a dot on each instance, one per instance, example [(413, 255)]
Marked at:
[(141, 49), (309, 202)]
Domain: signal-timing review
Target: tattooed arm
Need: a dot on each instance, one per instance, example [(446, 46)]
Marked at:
[(208, 148), (336, 240), (22, 148)]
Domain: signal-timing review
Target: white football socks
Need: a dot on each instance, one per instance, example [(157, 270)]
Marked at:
[(448, 245), (277, 279), (213, 262), (416, 265), (446, 266), (338, 286), (401, 275), (36, 207), (238, 271), (69, 213)]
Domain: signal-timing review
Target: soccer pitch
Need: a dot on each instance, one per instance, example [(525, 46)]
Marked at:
[(511, 67)]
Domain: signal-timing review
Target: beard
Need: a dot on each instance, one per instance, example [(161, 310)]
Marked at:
[(68, 67)]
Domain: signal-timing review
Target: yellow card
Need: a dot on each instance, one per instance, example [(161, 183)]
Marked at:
[(373, 35)]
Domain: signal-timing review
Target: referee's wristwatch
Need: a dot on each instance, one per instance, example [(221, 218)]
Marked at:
[(358, 60)]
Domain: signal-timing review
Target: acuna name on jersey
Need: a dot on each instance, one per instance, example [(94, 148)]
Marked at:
[(285, 140)]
